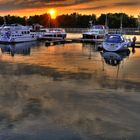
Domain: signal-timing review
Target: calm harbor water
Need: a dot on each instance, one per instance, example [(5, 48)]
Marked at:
[(68, 92)]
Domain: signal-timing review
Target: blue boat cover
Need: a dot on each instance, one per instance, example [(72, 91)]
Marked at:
[(116, 38)]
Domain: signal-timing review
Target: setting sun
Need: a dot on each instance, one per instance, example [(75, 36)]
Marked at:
[(52, 13)]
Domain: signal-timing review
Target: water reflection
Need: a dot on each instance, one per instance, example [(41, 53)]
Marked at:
[(114, 58), (133, 50), (20, 49), (92, 48), (63, 89)]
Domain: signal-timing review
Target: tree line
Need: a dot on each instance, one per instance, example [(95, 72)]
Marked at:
[(74, 20)]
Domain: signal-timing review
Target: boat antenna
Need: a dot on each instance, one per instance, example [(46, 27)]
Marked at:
[(4, 19), (106, 21), (121, 21)]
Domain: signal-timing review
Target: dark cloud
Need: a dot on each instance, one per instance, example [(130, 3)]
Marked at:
[(118, 4), (127, 3), (22, 4), (93, 8), (6, 5)]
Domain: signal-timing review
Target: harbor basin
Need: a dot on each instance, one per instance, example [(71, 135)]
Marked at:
[(68, 92)]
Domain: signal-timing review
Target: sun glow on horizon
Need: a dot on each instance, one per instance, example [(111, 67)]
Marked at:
[(52, 13)]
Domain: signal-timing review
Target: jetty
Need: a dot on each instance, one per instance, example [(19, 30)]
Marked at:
[(50, 41), (128, 31), (56, 41)]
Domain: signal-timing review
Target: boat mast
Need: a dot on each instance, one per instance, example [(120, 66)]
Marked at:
[(4, 19), (106, 21), (121, 21)]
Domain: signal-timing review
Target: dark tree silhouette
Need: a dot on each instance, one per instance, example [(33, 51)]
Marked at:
[(74, 20)]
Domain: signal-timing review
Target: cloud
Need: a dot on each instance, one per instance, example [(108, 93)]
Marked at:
[(117, 4), (6, 6), (22, 4), (127, 3), (93, 8)]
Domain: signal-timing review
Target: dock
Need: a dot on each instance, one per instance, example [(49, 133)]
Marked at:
[(128, 31), (57, 41), (81, 40), (54, 42), (50, 38)]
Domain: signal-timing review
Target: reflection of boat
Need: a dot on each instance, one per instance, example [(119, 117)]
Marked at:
[(115, 42), (114, 58), (16, 33), (95, 32), (54, 33), (23, 48)]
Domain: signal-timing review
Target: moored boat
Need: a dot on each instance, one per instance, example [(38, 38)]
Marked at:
[(52, 33), (16, 33), (95, 32), (116, 42)]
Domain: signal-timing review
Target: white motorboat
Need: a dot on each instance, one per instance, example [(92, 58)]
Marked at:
[(116, 42), (52, 33), (16, 33), (59, 32), (95, 32)]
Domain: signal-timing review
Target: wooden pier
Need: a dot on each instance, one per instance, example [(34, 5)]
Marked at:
[(81, 40), (57, 41), (50, 38)]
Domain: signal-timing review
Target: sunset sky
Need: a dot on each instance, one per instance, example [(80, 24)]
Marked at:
[(31, 7)]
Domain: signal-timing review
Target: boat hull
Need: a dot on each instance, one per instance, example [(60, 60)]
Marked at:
[(52, 35), (115, 47), (18, 40)]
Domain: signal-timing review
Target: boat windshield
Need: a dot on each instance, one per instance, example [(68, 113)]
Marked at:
[(114, 39)]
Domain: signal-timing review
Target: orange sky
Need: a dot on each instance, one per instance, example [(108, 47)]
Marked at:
[(31, 7)]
